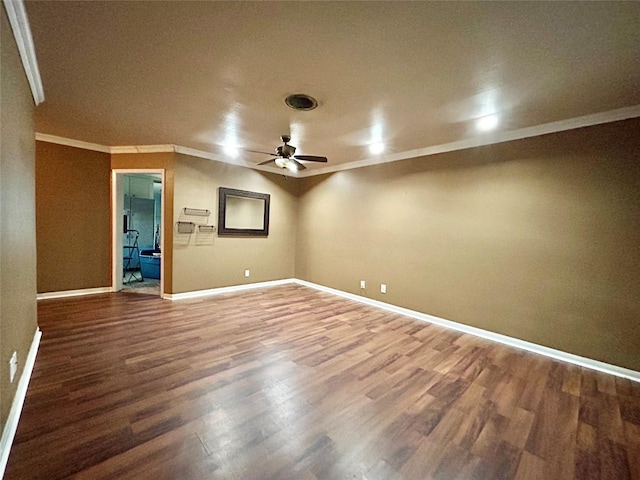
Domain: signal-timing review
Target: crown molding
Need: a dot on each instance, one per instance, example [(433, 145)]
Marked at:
[(143, 149), (22, 33), (224, 159), (192, 152), (166, 148), (489, 139), (69, 142)]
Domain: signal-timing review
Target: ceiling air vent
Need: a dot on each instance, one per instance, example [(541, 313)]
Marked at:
[(301, 101)]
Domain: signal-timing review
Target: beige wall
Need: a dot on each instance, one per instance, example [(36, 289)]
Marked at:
[(536, 239), (204, 260), (17, 216), (73, 218), (69, 176)]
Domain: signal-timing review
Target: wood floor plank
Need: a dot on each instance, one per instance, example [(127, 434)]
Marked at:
[(288, 382)]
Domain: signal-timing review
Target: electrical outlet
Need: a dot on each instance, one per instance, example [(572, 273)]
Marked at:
[(247, 273), (363, 284), (13, 366), (383, 288)]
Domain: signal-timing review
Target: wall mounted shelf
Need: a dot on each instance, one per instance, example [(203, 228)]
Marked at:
[(186, 227), (202, 212), (207, 228)]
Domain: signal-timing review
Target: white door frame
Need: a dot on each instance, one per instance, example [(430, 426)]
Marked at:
[(117, 206)]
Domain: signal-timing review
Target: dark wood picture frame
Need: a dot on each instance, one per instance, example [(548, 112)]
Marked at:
[(224, 230)]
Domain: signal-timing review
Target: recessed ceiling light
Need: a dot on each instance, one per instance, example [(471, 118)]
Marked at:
[(487, 123), (301, 101), (231, 151), (376, 148)]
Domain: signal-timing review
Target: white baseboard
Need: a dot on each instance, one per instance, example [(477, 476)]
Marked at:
[(478, 332), (73, 293), (460, 327), (233, 288), (11, 426)]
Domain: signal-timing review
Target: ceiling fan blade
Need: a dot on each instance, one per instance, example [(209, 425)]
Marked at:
[(310, 158), (299, 166), (268, 161)]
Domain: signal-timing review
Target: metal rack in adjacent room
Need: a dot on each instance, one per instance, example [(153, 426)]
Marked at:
[(131, 271)]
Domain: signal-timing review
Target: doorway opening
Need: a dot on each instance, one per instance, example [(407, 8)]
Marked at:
[(137, 219)]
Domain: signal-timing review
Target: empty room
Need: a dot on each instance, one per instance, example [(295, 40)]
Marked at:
[(320, 240)]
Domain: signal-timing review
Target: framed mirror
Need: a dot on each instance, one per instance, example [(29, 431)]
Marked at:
[(243, 213)]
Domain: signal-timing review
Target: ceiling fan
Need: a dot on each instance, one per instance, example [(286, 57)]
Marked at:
[(285, 158)]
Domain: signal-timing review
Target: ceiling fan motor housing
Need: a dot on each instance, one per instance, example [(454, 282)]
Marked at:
[(287, 150), (285, 156)]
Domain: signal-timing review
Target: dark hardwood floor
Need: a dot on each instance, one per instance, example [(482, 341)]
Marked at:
[(291, 383)]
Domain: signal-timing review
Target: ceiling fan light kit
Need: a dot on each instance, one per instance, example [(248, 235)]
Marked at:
[(285, 156), (283, 162)]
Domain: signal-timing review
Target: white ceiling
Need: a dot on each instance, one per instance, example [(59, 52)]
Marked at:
[(414, 75)]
